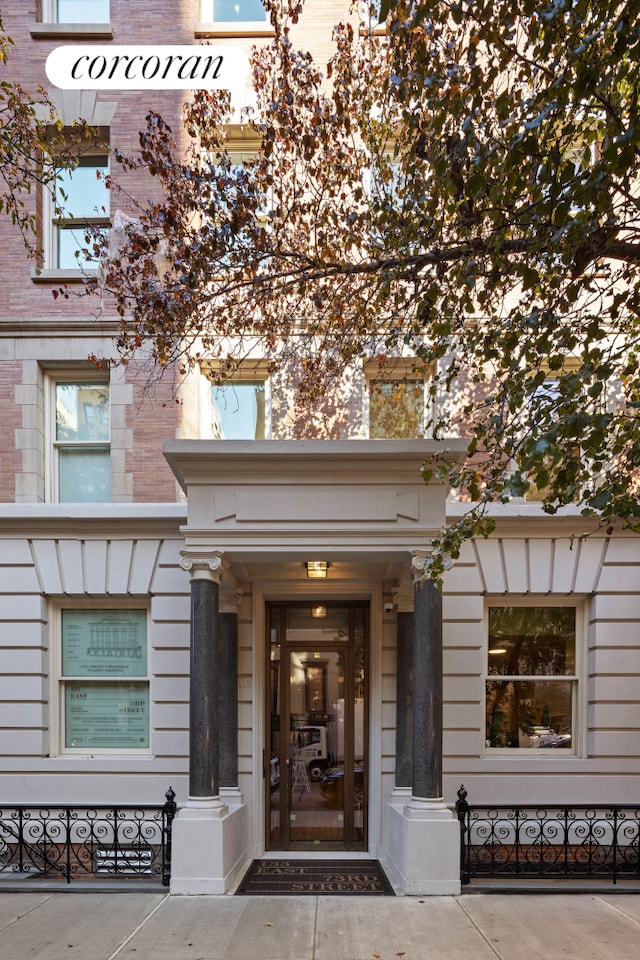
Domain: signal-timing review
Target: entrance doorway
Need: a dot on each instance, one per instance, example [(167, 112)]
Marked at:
[(317, 726)]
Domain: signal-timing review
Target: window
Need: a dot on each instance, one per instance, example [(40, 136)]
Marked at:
[(80, 200), (75, 11), (103, 680), (81, 452), (238, 403), (82, 11), (398, 400), (235, 178), (531, 685), (371, 14), (542, 413), (238, 410), (234, 11), (232, 176)]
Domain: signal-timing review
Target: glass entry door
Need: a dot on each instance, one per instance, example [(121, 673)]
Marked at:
[(316, 749)]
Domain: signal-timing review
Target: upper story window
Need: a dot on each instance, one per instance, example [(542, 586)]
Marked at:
[(239, 404), (88, 19), (531, 686), (370, 12), (237, 12), (542, 411), (79, 11), (81, 442), (238, 410), (398, 399), (80, 200)]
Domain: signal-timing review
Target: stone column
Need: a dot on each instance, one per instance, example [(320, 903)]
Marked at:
[(427, 686), (423, 837), (204, 762)]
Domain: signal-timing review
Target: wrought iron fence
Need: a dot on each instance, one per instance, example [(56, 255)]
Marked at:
[(69, 842), (598, 842)]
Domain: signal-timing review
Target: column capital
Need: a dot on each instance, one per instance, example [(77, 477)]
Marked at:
[(204, 565), (418, 564), (419, 561), (230, 599), (403, 593)]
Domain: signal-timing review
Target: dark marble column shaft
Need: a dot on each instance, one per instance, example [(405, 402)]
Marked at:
[(404, 694), (203, 713), (427, 691), (228, 684)]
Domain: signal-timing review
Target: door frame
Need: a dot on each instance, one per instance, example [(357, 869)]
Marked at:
[(349, 843), (253, 688)]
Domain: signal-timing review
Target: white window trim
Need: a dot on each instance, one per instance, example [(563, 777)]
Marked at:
[(57, 681), (578, 679), (52, 378)]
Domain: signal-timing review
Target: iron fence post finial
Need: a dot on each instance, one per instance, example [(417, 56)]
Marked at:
[(462, 809), (169, 811)]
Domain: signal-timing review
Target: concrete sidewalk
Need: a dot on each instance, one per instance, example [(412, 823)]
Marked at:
[(154, 926)]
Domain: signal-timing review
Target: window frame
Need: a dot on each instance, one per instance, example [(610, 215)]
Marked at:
[(49, 27), (548, 389), (57, 680), (77, 376), (53, 222), (248, 372), (577, 679), (238, 150)]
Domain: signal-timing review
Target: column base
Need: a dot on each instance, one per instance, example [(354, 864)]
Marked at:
[(400, 796), (208, 847), (423, 848)]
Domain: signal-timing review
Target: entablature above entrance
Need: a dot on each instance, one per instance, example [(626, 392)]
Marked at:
[(362, 494)]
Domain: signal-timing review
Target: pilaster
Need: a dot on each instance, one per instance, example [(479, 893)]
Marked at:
[(228, 682)]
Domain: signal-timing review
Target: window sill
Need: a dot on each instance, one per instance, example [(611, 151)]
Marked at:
[(236, 30), (58, 31), (63, 276)]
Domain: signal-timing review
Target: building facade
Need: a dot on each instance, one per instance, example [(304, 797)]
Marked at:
[(216, 596)]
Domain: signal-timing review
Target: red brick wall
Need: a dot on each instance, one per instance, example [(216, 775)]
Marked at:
[(143, 23), (24, 300), (153, 417)]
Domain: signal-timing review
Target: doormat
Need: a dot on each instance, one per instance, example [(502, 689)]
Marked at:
[(315, 877)]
